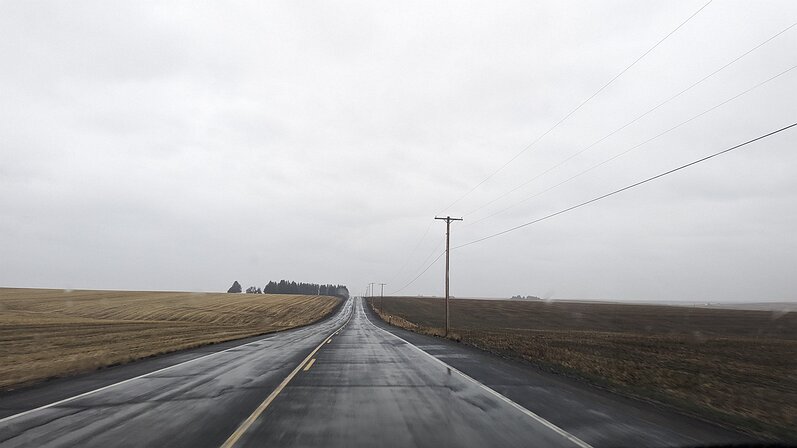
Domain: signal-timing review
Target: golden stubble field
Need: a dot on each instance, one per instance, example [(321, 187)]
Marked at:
[(47, 333), (734, 366)]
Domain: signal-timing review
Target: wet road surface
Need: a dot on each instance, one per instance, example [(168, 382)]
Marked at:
[(197, 402), (368, 387), (350, 380)]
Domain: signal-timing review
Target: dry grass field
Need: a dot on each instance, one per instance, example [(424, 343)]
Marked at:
[(738, 367), (47, 332)]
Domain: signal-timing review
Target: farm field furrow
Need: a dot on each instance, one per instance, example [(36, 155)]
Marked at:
[(47, 333), (736, 367)]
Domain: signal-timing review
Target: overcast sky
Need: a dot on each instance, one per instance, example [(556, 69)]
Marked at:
[(184, 145)]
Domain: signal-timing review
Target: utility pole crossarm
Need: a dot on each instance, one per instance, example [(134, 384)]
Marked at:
[(448, 220)]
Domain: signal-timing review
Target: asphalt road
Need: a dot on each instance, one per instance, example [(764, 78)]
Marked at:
[(347, 381), (196, 402)]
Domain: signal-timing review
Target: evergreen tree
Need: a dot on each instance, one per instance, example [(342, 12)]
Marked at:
[(303, 288), (235, 288)]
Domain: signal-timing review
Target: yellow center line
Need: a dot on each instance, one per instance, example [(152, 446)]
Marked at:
[(234, 437), (309, 364)]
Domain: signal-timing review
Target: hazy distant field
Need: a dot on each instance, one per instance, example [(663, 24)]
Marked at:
[(737, 366), (49, 332)]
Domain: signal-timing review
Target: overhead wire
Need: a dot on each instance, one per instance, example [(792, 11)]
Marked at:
[(423, 263), (505, 209), (577, 108), (649, 111), (540, 137), (419, 275), (604, 196), (628, 187), (412, 252)]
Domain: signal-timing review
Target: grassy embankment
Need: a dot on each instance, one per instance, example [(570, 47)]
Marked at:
[(46, 333), (733, 366)]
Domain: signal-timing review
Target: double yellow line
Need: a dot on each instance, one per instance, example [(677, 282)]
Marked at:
[(307, 363)]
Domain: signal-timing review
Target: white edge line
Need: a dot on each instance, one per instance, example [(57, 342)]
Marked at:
[(549, 425), (84, 394)]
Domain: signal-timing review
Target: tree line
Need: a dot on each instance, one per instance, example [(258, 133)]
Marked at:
[(286, 287)]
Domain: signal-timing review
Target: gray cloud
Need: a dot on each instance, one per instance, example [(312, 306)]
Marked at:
[(183, 146)]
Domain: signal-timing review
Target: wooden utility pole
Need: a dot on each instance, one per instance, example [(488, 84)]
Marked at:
[(448, 220), (382, 298)]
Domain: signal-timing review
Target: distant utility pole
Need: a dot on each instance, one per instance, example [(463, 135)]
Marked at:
[(448, 220), (382, 298)]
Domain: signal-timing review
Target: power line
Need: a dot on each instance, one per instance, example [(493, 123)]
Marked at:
[(423, 263), (627, 187), (412, 252), (596, 142), (434, 251), (577, 108), (636, 146), (419, 275)]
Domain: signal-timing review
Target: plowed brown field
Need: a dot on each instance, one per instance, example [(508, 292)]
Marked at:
[(734, 366), (48, 332)]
